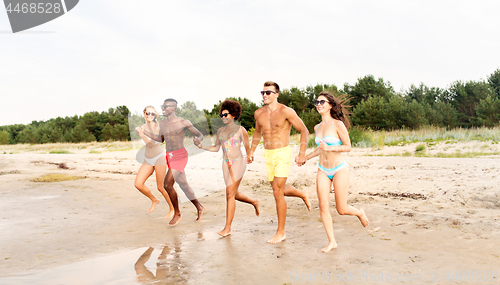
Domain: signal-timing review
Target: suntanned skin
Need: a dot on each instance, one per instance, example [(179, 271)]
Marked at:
[(146, 170), (330, 156), (232, 192), (274, 122), (172, 131)]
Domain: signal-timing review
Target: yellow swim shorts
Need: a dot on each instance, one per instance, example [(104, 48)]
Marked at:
[(278, 162)]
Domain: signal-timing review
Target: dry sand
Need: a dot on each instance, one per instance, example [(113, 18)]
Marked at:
[(434, 219)]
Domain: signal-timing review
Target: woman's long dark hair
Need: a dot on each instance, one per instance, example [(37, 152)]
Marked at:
[(339, 107)]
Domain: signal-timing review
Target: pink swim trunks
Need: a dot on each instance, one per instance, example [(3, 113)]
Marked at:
[(177, 159)]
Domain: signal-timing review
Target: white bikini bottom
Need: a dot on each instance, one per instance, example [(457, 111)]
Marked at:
[(153, 160)]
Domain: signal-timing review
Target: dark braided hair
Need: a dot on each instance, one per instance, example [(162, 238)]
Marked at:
[(339, 108)]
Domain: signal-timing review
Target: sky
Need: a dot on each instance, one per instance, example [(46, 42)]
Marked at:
[(104, 54)]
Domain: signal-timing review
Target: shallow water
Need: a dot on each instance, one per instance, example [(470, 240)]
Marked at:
[(139, 266)]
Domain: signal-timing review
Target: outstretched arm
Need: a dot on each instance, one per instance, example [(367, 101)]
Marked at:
[(316, 151), (246, 142), (297, 123), (198, 135), (214, 148), (149, 135), (257, 134)]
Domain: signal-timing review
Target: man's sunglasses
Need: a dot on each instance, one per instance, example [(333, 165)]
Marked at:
[(150, 114), (166, 106), (321, 102), (268, 92), (224, 115)]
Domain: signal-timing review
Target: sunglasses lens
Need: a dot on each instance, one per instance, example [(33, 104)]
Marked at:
[(322, 102), (267, 92)]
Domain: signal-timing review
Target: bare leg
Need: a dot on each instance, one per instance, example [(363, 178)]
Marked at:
[(142, 175), (278, 185), (169, 187), (341, 184), (180, 178), (242, 197), (143, 274), (233, 194), (160, 180), (230, 207), (292, 191), (323, 185), (235, 173), (161, 264)]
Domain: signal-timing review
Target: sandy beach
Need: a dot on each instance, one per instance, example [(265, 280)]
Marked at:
[(432, 220)]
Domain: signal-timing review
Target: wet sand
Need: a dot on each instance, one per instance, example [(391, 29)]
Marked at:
[(428, 217)]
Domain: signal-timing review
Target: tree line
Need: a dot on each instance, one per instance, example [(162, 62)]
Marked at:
[(92, 126), (373, 103)]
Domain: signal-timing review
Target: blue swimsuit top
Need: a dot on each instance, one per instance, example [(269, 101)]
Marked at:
[(329, 140)]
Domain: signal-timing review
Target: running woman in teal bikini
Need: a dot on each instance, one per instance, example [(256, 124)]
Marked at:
[(332, 139), (230, 137)]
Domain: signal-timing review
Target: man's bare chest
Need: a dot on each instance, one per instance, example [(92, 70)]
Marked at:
[(273, 122)]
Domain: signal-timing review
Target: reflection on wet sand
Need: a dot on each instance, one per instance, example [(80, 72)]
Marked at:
[(169, 270)]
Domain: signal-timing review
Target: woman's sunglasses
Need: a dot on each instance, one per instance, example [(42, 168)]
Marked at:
[(150, 114), (321, 102), (224, 115)]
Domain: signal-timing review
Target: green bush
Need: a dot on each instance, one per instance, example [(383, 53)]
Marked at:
[(4, 137), (420, 148), (360, 137), (311, 143)]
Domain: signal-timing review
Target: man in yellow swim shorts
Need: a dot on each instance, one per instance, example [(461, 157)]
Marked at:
[(274, 121)]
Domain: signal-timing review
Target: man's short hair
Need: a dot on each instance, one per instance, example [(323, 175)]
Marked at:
[(272, 83), (171, 100)]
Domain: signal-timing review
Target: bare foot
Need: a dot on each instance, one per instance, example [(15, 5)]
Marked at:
[(170, 214), (200, 213), (329, 247), (153, 205), (224, 232), (175, 219), (306, 200), (363, 219), (277, 238), (257, 209)]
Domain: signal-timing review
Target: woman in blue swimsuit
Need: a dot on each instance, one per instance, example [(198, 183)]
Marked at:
[(153, 161), (231, 137), (332, 139)]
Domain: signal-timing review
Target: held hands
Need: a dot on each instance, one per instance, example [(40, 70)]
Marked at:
[(249, 158), (139, 130), (196, 142), (300, 159)]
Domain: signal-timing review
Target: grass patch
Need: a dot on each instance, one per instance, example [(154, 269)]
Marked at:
[(468, 154), (431, 136), (311, 143), (456, 154), (95, 151), (56, 178), (121, 149), (420, 148), (60, 151)]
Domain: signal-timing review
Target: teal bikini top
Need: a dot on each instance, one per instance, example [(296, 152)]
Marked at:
[(329, 140)]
